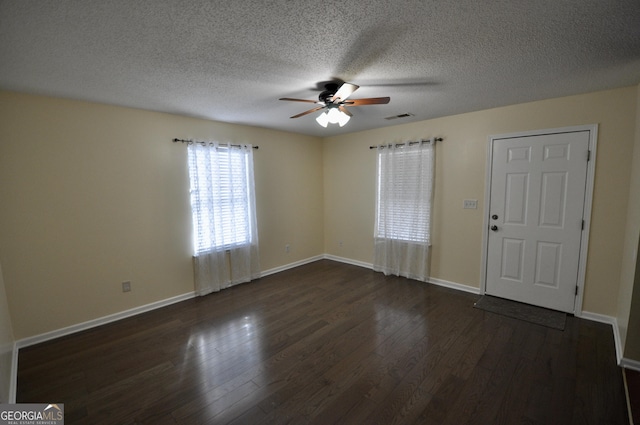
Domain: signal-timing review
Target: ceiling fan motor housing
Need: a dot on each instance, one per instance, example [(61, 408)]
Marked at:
[(331, 89), (325, 96)]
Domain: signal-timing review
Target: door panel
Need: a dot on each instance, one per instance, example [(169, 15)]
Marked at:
[(537, 196), (552, 201), (548, 264), (512, 259)]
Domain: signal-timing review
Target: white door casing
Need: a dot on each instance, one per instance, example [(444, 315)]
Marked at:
[(538, 198)]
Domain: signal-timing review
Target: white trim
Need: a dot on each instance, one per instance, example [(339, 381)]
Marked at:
[(433, 281), (348, 261), (454, 285), (630, 364), (595, 317), (621, 360), (26, 342), (588, 201), (13, 374), (291, 265), (485, 220)]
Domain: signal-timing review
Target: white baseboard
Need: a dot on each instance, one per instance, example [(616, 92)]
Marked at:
[(595, 317), (291, 265), (348, 261), (630, 364), (434, 281), (13, 385), (26, 342), (454, 285)]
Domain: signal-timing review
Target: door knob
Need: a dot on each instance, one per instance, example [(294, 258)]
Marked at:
[(494, 228), (494, 217)]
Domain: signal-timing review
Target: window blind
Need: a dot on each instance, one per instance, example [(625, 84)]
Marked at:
[(220, 197), (404, 184)]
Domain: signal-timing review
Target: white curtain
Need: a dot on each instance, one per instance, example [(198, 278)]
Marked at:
[(224, 215), (403, 209)]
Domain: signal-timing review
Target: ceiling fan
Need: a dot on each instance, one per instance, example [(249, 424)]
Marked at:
[(334, 100)]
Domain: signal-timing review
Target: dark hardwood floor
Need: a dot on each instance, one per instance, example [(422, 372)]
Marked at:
[(329, 343), (633, 392)]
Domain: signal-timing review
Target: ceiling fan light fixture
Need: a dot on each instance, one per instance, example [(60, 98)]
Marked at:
[(343, 119), (333, 116), (323, 119)]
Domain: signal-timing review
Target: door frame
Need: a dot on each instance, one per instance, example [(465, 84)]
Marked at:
[(586, 214)]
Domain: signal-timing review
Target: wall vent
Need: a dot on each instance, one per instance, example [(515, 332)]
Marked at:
[(395, 117)]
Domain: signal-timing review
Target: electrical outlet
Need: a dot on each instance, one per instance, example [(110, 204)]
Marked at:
[(340, 244), (470, 204), (287, 248), (126, 286)]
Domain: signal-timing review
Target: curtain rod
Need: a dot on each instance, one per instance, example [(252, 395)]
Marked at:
[(437, 139), (176, 140)]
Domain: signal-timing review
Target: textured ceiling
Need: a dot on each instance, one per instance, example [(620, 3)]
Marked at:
[(231, 60)]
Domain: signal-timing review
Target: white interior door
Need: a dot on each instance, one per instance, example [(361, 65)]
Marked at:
[(536, 207)]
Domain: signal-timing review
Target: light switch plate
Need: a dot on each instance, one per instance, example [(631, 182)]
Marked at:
[(470, 204)]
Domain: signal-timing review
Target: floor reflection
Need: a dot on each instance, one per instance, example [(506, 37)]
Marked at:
[(218, 350)]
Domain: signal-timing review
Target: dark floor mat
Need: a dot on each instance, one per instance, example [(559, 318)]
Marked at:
[(538, 315)]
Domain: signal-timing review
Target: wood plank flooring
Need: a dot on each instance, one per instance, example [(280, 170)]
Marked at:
[(633, 392), (329, 343)]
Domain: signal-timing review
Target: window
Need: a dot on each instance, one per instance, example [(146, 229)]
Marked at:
[(221, 178), (403, 210), (405, 181)]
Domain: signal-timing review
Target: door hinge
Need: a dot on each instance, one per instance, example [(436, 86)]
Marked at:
[(576, 289), (588, 155), (582, 224)]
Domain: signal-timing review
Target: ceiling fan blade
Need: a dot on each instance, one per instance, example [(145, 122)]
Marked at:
[(344, 110), (298, 100), (368, 101), (345, 90), (308, 112)]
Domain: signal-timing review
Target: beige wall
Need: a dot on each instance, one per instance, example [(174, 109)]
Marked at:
[(6, 345), (460, 174), (629, 296), (93, 195), (631, 350)]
